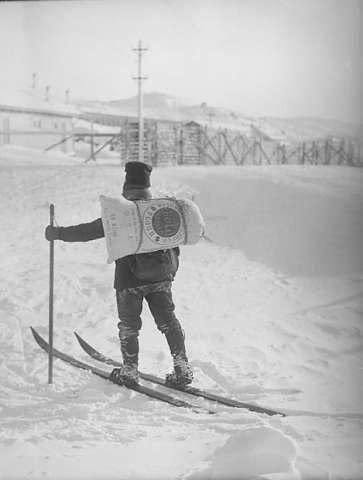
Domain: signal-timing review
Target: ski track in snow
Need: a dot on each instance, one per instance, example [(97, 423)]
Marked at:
[(254, 331)]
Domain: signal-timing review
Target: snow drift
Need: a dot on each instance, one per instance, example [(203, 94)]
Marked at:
[(271, 311)]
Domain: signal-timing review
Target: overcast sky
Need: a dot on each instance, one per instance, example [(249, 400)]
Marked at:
[(260, 57)]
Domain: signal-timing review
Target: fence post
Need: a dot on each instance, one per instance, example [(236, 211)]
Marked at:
[(176, 142), (181, 145), (219, 148), (314, 150), (359, 153), (276, 154), (260, 155), (6, 129), (341, 151), (73, 140), (284, 159), (63, 136), (199, 144), (303, 153), (92, 142), (155, 145), (350, 154), (326, 153), (254, 152)]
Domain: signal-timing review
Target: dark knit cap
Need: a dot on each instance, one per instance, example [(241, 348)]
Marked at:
[(137, 175)]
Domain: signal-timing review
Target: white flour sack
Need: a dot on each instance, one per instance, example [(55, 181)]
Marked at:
[(149, 225)]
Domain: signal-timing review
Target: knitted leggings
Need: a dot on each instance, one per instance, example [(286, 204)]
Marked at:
[(159, 299)]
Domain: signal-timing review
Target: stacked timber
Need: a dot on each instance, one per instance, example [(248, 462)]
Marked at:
[(130, 143), (191, 141), (166, 144)]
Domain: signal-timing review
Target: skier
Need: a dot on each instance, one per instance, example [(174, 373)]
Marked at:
[(145, 275)]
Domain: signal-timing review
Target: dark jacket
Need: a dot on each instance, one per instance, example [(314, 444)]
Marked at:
[(133, 270)]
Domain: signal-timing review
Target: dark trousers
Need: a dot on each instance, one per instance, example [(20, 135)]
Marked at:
[(159, 299)]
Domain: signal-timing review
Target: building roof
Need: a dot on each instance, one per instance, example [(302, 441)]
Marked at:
[(31, 101)]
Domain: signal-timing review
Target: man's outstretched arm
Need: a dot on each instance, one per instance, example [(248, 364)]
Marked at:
[(76, 233)]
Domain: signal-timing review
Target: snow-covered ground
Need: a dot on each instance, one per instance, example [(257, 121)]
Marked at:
[(272, 311)]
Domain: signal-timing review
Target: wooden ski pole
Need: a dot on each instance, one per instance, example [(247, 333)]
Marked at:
[(51, 291)]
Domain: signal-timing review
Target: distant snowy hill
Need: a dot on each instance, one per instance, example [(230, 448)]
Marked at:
[(167, 107), (304, 128)]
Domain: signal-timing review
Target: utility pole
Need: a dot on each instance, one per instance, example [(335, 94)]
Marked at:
[(140, 50)]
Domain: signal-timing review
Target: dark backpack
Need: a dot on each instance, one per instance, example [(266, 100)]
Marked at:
[(155, 266)]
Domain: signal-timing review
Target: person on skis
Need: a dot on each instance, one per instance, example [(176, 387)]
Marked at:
[(141, 276)]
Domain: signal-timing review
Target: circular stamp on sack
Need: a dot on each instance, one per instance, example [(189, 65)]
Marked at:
[(163, 224)]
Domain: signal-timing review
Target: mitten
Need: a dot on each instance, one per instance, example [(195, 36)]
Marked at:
[(52, 233)]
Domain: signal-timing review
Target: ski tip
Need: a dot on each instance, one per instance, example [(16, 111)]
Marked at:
[(80, 340), (39, 339), (34, 332), (36, 335)]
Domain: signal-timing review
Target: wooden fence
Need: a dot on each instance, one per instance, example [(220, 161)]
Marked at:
[(190, 143), (174, 143), (223, 147)]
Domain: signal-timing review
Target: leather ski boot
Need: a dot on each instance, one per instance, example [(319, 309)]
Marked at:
[(182, 374), (127, 375)]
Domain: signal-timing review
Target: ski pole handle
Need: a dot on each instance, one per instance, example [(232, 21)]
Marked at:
[(51, 293)]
